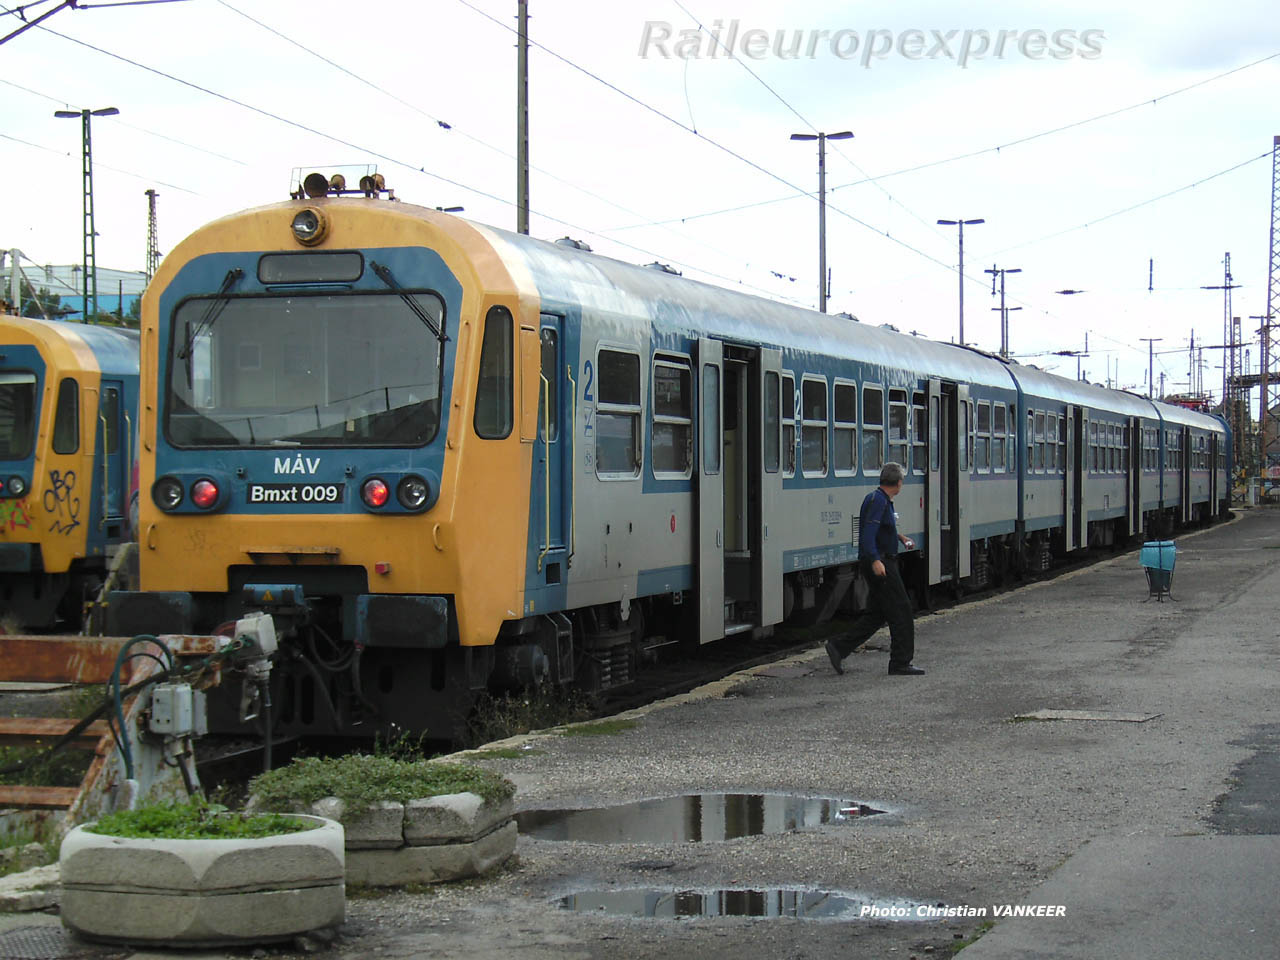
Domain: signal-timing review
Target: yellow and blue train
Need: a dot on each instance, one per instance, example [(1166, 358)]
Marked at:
[(68, 412), (447, 458)]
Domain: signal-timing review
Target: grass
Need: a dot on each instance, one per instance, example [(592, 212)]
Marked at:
[(983, 928), (360, 780), (195, 821), (605, 728), (497, 718), (503, 753)]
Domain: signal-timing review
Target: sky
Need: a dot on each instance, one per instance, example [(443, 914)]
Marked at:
[(1077, 142)]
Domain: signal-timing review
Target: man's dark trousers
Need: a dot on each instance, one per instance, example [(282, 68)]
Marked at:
[(887, 603)]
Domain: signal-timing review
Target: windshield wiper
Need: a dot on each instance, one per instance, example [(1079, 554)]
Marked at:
[(385, 276), (211, 312)]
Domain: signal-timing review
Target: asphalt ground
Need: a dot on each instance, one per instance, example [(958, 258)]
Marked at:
[(1151, 827)]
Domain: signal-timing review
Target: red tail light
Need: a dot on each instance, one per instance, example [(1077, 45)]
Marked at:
[(375, 493), (204, 494)]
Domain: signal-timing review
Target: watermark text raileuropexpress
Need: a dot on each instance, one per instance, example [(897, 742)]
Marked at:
[(724, 39)]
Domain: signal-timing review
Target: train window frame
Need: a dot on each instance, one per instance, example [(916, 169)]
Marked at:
[(966, 434), (999, 429), (899, 408), (982, 433), (819, 426), (876, 429), (1062, 443), (1031, 441), (710, 419), (788, 401), (549, 393), (1041, 462), (919, 433), (66, 418), (660, 422), (844, 429), (1093, 446), (629, 410), (772, 449), (1050, 442)]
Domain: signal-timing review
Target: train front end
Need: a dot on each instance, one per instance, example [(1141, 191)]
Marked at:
[(322, 380)]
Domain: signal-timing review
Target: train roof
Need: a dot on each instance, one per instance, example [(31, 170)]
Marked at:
[(614, 287), (115, 348)]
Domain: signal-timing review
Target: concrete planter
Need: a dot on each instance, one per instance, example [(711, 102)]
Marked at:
[(192, 893), (432, 840)]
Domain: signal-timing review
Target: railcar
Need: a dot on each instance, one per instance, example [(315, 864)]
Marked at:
[(68, 407), (449, 458)]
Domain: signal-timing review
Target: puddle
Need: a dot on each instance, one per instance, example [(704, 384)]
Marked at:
[(775, 902), (692, 818)]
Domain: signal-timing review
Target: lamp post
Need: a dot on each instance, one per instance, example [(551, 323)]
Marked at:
[(961, 224), (90, 264), (822, 139)]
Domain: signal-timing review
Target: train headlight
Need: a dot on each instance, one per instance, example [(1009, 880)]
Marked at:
[(374, 493), (204, 493), (167, 493), (17, 486), (412, 492), (309, 226)]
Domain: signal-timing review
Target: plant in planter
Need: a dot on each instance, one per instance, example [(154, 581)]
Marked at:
[(193, 875), (406, 821)]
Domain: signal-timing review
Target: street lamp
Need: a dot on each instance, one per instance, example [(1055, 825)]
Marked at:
[(90, 264), (961, 224), (822, 139)]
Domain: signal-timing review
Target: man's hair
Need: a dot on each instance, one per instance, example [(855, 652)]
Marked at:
[(891, 474)]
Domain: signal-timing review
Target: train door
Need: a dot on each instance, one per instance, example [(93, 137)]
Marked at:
[(945, 441), (769, 481), (1069, 484), (550, 447), (961, 430), (112, 454), (1184, 471), (1134, 475), (1213, 475), (710, 490), (1079, 521)]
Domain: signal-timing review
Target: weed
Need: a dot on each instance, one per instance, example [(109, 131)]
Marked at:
[(66, 768), (359, 780), (496, 718), (983, 928), (196, 820), (503, 753)]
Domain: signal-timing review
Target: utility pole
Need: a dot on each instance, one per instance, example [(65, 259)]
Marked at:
[(1226, 287), (822, 138), (90, 278), (961, 224), (1264, 414), (1151, 356), (153, 253), (1273, 300), (522, 120), (1004, 311)]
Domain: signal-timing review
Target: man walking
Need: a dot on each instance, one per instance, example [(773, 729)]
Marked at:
[(888, 601)]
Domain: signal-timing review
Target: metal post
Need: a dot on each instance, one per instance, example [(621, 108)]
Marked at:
[(961, 224), (522, 120), (153, 252), (822, 223), (1004, 311), (1151, 356), (90, 280)]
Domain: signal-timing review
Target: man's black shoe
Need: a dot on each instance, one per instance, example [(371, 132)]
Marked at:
[(834, 656), (907, 671)]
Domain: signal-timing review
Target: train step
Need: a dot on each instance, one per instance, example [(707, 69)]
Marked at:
[(52, 686)]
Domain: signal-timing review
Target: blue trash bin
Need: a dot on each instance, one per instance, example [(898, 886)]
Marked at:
[(1158, 558)]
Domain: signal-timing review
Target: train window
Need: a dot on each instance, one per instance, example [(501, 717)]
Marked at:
[(493, 416), (672, 452), (66, 419), (710, 420), (844, 440), (935, 441), (549, 415), (1115, 448), (919, 435), (1050, 443), (1093, 446), (1062, 444), (872, 429), (1031, 440), (771, 424), (998, 421), (1039, 434), (618, 415), (966, 436), (982, 446), (110, 415), (17, 414), (899, 424), (813, 435), (788, 425)]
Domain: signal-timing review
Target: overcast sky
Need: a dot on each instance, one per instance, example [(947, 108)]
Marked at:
[(617, 91)]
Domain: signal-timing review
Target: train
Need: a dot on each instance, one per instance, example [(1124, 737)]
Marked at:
[(68, 416), (447, 459)]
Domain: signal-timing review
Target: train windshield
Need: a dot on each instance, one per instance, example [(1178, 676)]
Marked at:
[(17, 414), (332, 369)]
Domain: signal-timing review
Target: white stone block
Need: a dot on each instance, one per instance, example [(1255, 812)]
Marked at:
[(456, 817), (436, 863)]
